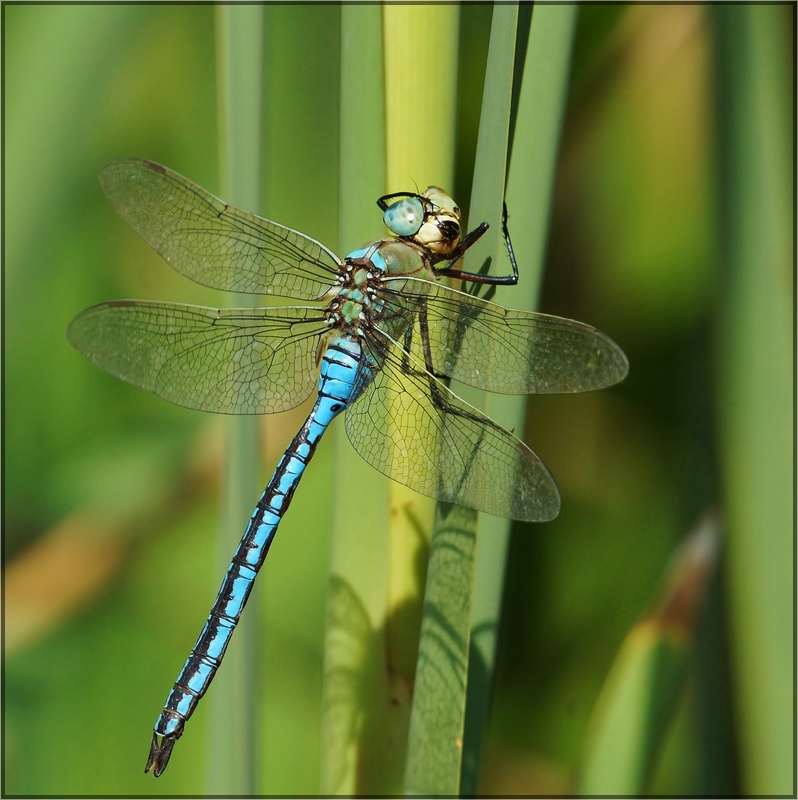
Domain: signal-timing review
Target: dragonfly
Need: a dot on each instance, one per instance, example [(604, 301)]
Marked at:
[(379, 337)]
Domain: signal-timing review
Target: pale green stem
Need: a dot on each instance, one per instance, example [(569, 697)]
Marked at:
[(359, 748), (420, 136), (232, 764), (420, 121), (755, 392)]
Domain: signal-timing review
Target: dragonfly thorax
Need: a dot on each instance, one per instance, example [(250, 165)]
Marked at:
[(358, 280)]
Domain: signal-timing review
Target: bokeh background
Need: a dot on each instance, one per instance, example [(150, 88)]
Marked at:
[(112, 495)]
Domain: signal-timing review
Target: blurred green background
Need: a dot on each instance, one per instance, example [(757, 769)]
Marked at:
[(111, 494)]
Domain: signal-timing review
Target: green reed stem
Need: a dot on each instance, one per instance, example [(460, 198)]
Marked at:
[(755, 388), (530, 184), (358, 755), (420, 118), (435, 742), (232, 763)]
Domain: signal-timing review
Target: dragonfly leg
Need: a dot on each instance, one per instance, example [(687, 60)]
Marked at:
[(435, 393), (475, 277), (407, 345), (437, 396), (423, 325), (469, 240)]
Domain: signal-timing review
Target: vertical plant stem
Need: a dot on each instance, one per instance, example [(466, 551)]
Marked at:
[(530, 182), (234, 701), (435, 741), (359, 739), (420, 115), (420, 136), (754, 392)]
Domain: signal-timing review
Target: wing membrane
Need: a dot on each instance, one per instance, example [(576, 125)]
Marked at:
[(231, 361), (412, 428), (504, 350), (214, 243)]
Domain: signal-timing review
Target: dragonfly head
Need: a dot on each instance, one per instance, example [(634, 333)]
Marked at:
[(431, 220)]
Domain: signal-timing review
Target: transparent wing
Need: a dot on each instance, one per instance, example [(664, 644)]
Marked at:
[(412, 428), (503, 350), (231, 361), (214, 243)]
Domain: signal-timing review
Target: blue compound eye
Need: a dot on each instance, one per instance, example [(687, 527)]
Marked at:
[(404, 217)]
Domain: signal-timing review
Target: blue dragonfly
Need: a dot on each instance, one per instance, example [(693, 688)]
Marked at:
[(383, 336)]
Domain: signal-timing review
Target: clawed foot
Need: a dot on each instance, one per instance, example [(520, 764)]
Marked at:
[(159, 753)]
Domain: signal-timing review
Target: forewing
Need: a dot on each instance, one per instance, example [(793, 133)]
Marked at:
[(231, 361), (214, 243), (412, 428), (503, 350)]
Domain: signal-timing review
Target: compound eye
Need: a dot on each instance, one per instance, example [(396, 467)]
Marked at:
[(404, 217)]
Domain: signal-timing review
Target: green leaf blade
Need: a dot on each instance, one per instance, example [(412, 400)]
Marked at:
[(435, 741)]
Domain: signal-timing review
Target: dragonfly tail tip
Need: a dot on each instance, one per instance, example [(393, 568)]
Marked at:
[(159, 754)]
